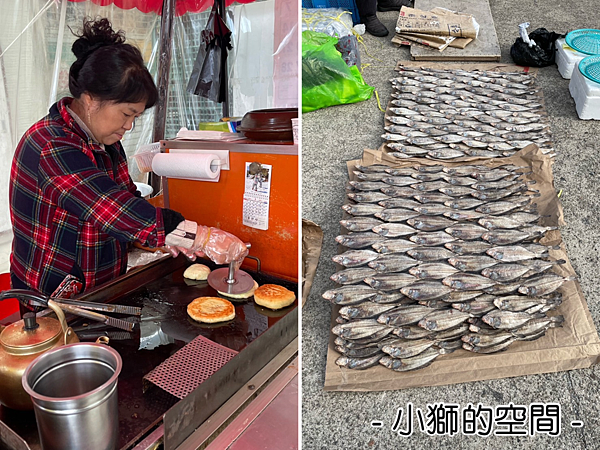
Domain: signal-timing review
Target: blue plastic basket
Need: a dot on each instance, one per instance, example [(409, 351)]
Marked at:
[(590, 68), (350, 5), (585, 41)]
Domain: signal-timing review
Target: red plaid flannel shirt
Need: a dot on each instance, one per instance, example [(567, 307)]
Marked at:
[(73, 206)]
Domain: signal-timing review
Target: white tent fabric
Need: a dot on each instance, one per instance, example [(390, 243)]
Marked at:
[(34, 69)]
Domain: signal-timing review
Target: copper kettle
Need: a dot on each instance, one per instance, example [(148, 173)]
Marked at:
[(23, 341)]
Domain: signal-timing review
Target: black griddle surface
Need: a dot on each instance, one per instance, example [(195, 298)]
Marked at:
[(164, 302)]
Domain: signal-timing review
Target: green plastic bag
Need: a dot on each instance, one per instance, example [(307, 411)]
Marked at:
[(326, 78)]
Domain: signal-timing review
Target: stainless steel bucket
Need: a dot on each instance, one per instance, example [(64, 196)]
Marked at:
[(74, 394)]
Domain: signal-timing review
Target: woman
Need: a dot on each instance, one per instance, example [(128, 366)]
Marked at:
[(74, 208)]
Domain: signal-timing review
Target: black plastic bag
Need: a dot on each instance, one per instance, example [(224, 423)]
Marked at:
[(540, 55), (210, 68)]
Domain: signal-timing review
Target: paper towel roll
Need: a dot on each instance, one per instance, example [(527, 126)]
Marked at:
[(189, 166)]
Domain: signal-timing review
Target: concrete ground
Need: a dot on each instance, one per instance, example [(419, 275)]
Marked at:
[(331, 136)]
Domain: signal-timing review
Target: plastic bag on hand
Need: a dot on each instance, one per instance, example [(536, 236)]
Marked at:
[(223, 247)]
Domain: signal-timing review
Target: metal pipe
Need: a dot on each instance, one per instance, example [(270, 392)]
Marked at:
[(162, 84), (224, 71)]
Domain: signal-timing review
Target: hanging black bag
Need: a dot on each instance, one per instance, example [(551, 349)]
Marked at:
[(208, 75)]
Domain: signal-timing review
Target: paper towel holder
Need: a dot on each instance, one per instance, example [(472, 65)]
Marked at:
[(222, 154)]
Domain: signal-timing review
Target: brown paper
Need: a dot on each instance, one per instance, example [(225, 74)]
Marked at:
[(413, 20), (439, 42), (576, 345), (312, 240)]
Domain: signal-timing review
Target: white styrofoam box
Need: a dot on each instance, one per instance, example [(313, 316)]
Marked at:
[(586, 94), (567, 58)]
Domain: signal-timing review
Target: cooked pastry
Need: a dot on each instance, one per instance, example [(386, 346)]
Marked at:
[(273, 296), (197, 272), (211, 310)]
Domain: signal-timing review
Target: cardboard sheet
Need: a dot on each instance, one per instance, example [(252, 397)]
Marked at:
[(485, 48), (574, 346), (312, 240)]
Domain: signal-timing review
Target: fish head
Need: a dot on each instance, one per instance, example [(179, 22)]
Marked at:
[(339, 278), (527, 291), (427, 324), (342, 361)]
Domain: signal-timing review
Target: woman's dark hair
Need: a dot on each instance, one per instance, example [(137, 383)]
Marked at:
[(107, 68)]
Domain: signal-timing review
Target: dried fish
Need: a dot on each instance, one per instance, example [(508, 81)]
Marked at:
[(433, 271), (486, 340), (472, 263), (393, 262), (466, 231), (392, 230), (396, 191), (461, 296), (464, 203), (400, 202), (416, 362), (426, 290), (504, 320), (375, 168), (352, 276), (430, 169), (405, 349), (505, 237), (411, 332), (457, 191), (400, 172), (467, 282), (429, 223), (394, 246), (389, 281), (463, 215), (404, 315), (359, 240), (429, 186), (432, 197), (399, 181), (505, 222), (355, 258), (359, 363), (459, 181), (538, 266), (362, 209), (433, 238), (350, 295), (518, 303), (543, 285), (505, 272), (367, 197), (443, 319), (427, 254), (377, 176), (396, 214), (359, 329), (468, 248), (367, 185), (502, 207), (536, 325), (365, 310), (503, 288), (489, 349), (512, 253), (360, 223), (432, 209), (358, 352)]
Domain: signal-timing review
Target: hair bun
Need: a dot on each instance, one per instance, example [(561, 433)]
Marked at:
[(95, 34)]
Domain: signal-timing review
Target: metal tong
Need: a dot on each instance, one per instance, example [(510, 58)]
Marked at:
[(76, 307)]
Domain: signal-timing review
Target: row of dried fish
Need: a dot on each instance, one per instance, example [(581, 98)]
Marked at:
[(445, 115), (425, 278)]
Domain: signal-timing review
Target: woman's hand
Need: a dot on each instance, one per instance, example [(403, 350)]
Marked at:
[(189, 253)]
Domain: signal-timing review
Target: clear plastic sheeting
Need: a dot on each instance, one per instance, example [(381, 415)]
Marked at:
[(334, 22)]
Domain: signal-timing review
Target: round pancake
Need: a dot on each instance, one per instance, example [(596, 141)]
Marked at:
[(211, 310), (243, 295), (197, 272), (273, 296)]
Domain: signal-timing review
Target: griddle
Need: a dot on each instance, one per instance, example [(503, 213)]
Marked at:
[(163, 293)]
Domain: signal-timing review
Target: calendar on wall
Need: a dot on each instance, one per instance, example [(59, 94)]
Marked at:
[(257, 193)]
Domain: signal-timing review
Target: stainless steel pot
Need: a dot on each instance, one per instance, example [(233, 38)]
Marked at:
[(74, 394)]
